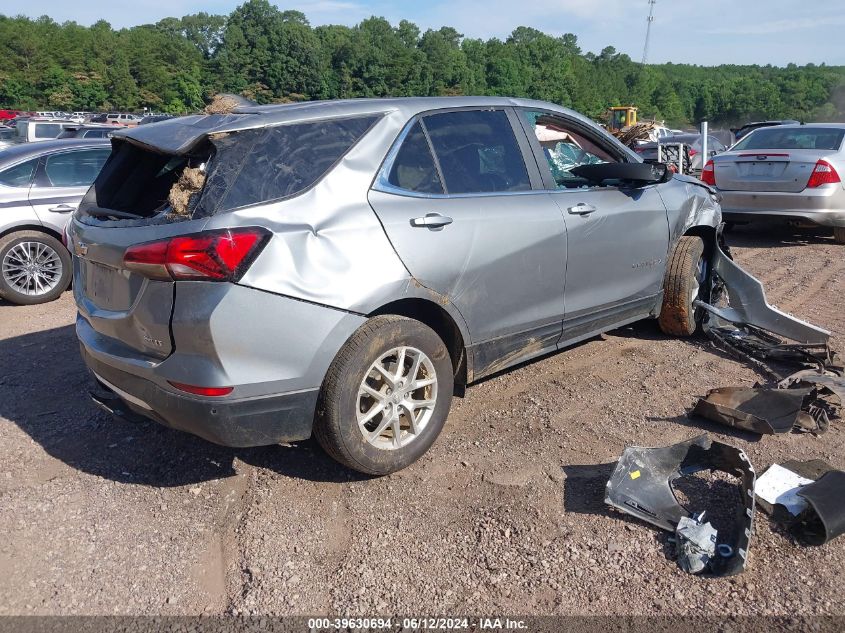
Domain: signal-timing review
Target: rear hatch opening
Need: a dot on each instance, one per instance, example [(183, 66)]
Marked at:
[(140, 185)]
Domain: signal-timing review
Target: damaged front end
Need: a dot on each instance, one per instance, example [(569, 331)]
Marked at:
[(747, 304), (642, 486), (809, 376)]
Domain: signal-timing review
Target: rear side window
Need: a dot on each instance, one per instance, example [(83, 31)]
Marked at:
[(414, 168), (827, 139), (75, 169), (477, 151), (265, 164), (19, 175)]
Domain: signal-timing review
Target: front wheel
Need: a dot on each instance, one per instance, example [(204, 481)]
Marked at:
[(386, 396), (686, 276), (34, 268)]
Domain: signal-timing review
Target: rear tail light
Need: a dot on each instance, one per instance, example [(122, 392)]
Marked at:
[(693, 152), (209, 256), (708, 174), (202, 391), (823, 174)]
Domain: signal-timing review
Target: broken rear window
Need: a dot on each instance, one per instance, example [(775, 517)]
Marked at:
[(135, 182), (266, 164), (229, 171)]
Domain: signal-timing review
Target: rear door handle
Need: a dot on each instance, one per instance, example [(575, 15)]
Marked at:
[(582, 209), (63, 208), (432, 221)]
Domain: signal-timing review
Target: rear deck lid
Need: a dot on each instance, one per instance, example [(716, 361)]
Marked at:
[(778, 159)]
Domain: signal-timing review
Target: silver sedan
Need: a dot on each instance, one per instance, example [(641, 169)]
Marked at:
[(788, 173), (41, 184)]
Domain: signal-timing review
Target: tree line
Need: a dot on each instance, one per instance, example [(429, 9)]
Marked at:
[(270, 55)]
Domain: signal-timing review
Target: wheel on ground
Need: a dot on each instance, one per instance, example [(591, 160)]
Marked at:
[(386, 396), (839, 234), (685, 281), (34, 267)]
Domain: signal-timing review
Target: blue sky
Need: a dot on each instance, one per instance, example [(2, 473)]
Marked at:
[(685, 31)]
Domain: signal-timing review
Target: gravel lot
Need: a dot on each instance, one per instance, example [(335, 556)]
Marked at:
[(504, 515)]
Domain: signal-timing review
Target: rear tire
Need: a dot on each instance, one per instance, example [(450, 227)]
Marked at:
[(34, 268), (369, 416), (839, 234), (685, 276)]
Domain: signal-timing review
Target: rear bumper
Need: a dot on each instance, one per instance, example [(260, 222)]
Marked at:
[(824, 206), (273, 351), (248, 422)]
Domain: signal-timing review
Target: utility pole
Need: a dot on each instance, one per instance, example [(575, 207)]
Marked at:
[(651, 4)]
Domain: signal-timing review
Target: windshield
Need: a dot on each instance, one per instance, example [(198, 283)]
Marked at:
[(793, 138)]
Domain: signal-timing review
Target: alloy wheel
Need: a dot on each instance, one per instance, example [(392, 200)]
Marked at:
[(396, 398), (32, 268)]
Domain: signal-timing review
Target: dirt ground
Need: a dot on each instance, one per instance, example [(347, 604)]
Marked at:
[(503, 515)]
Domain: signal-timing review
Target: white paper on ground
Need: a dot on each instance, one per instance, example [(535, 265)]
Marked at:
[(780, 485)]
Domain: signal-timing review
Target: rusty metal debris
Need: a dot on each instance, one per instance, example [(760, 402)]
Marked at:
[(766, 410), (641, 485)]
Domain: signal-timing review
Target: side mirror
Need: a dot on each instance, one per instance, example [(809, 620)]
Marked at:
[(635, 174)]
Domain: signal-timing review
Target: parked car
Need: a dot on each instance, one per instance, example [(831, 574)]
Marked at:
[(788, 173), (155, 118), (88, 131), (116, 118), (123, 119), (8, 115), (714, 146), (7, 136), (346, 264), (41, 184), (36, 129), (746, 129)]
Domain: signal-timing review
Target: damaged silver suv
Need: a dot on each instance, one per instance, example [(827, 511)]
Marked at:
[(343, 268)]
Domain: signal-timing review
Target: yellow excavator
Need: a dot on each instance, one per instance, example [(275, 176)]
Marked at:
[(621, 117)]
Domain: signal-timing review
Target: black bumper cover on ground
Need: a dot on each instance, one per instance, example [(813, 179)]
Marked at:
[(243, 423)]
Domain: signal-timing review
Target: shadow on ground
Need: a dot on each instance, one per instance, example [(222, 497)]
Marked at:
[(771, 236), (584, 488), (44, 391)]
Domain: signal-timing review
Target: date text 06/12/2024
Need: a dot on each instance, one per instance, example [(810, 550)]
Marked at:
[(419, 624)]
